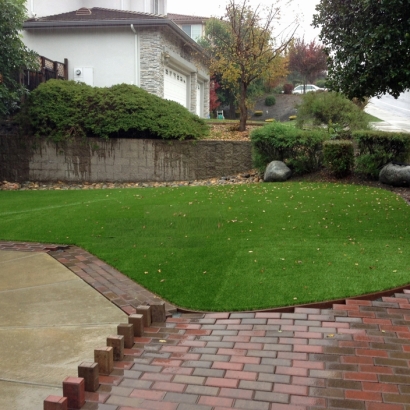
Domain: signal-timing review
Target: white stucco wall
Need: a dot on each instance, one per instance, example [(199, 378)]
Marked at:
[(111, 53), (42, 8)]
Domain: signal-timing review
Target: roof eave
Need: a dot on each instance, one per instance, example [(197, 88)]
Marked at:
[(146, 23)]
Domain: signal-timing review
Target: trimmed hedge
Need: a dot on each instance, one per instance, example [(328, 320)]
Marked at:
[(300, 150), (338, 157), (378, 148), (59, 110)]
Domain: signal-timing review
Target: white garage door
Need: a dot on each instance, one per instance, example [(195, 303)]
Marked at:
[(175, 86)]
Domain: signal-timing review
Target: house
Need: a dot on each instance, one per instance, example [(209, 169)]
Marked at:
[(106, 46), (42, 8), (192, 25)]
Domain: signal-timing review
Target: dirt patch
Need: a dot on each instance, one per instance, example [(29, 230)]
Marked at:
[(285, 107)]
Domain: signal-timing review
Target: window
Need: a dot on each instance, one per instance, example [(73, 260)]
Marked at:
[(193, 30)]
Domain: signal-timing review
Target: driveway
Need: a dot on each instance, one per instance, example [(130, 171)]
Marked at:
[(395, 113)]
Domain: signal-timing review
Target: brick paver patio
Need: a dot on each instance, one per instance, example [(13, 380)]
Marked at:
[(352, 356)]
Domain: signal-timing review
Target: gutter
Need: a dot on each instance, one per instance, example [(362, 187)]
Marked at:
[(136, 57), (139, 23)]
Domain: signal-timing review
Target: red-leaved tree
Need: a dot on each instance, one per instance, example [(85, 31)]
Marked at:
[(308, 59), (214, 102)]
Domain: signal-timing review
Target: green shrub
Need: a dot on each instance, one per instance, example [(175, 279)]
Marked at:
[(378, 148), (62, 109), (258, 113), (278, 89), (326, 108), (270, 100), (338, 157), (321, 83), (300, 150)]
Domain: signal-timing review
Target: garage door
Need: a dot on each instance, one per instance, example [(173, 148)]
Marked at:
[(175, 86)]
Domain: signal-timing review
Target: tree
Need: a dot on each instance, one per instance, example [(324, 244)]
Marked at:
[(214, 102), (243, 49), (368, 44), (308, 59), (14, 55)]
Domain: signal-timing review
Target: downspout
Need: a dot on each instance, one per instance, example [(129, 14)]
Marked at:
[(32, 8), (122, 4), (136, 60)]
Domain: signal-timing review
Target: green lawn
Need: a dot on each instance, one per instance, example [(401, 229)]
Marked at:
[(229, 247)]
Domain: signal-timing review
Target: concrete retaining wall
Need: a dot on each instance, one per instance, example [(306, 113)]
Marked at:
[(138, 160)]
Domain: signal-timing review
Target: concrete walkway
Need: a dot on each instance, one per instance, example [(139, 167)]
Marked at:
[(50, 322)]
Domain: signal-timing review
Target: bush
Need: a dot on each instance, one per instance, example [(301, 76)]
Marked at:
[(378, 148), (62, 109), (278, 89), (258, 113), (326, 108), (321, 83), (288, 88), (300, 150), (362, 104), (270, 100), (338, 157)]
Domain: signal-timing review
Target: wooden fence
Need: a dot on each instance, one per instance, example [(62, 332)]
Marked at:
[(47, 70)]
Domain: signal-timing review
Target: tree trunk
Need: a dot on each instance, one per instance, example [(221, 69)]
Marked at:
[(243, 108)]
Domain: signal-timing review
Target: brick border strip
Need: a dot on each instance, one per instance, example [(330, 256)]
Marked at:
[(127, 294), (111, 283)]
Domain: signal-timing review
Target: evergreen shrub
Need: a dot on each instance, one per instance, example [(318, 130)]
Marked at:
[(300, 150), (378, 148), (318, 109), (270, 100), (338, 157), (59, 110)]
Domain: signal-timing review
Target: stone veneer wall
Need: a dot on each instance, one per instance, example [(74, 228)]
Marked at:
[(136, 160)]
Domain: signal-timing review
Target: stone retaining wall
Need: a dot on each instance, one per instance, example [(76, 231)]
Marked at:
[(138, 160)]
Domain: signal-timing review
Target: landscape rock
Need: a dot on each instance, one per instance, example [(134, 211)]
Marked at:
[(395, 175), (277, 171), (60, 185)]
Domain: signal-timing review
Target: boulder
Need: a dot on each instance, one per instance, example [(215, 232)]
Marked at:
[(277, 171), (395, 174)]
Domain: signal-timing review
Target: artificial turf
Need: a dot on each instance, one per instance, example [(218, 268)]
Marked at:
[(236, 247)]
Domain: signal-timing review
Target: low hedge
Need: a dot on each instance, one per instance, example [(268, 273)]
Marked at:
[(59, 110), (378, 148), (300, 149), (338, 157)]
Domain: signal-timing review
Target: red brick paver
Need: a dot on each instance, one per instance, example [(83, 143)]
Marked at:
[(261, 369), (352, 356)]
